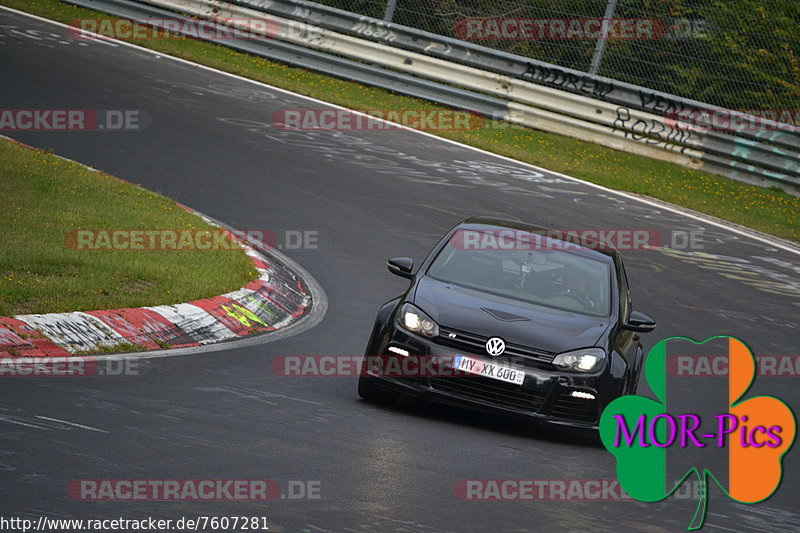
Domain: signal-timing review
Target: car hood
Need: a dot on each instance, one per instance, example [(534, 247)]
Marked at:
[(538, 327)]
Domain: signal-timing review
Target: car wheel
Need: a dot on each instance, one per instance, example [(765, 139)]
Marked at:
[(372, 393)]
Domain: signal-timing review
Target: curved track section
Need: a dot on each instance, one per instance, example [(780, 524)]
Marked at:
[(369, 195)]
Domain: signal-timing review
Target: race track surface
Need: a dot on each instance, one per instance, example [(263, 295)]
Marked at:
[(369, 195)]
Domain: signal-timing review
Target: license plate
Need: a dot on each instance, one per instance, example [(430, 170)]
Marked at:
[(488, 370)]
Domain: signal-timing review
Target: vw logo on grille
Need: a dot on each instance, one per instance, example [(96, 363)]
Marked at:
[(495, 346)]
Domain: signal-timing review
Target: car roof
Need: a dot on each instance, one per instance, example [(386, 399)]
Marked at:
[(574, 241)]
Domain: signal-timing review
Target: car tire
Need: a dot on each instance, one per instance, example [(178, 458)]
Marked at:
[(635, 387), (372, 393)]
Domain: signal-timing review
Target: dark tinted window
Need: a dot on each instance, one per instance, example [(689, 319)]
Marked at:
[(560, 279)]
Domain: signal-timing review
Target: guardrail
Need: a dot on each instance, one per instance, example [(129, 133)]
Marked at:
[(503, 86)]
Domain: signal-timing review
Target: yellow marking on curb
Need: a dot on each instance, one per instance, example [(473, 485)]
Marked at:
[(243, 315)]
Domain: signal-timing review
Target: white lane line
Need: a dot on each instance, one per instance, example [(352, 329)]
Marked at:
[(4, 419), (751, 234), (71, 424)]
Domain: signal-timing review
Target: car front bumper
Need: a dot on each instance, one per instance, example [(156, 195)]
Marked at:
[(545, 395)]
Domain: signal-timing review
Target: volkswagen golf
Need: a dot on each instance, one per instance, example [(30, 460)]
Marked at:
[(519, 321)]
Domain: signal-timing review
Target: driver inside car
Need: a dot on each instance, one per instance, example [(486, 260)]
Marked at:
[(578, 288)]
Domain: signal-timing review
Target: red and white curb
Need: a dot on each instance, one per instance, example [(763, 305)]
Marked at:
[(275, 300)]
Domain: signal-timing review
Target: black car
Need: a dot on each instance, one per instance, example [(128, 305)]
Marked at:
[(520, 322)]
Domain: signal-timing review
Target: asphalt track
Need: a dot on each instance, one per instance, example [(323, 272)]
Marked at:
[(369, 195)]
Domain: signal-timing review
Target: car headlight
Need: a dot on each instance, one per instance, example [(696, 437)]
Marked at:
[(583, 360), (416, 321)]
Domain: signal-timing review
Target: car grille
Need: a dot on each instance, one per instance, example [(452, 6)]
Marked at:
[(579, 409), (471, 342), (490, 390)]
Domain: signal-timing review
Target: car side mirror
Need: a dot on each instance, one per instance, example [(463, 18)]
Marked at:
[(639, 322), (401, 266)]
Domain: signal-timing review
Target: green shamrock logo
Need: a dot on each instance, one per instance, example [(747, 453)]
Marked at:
[(755, 433)]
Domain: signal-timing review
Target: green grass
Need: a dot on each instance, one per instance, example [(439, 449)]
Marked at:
[(44, 197), (117, 348), (767, 210)]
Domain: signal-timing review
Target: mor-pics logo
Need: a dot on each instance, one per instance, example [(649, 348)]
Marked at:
[(701, 426)]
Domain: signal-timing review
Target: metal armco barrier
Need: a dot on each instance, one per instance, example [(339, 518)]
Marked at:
[(522, 91)]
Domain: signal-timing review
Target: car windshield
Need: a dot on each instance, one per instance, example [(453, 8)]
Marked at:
[(544, 275)]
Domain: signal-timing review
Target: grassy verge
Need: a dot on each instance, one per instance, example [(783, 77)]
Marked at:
[(44, 197), (767, 210)]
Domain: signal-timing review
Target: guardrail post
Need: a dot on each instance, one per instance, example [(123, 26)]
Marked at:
[(600, 48), (391, 5)]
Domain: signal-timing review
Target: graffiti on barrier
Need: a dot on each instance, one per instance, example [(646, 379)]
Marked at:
[(654, 132), (568, 81)]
